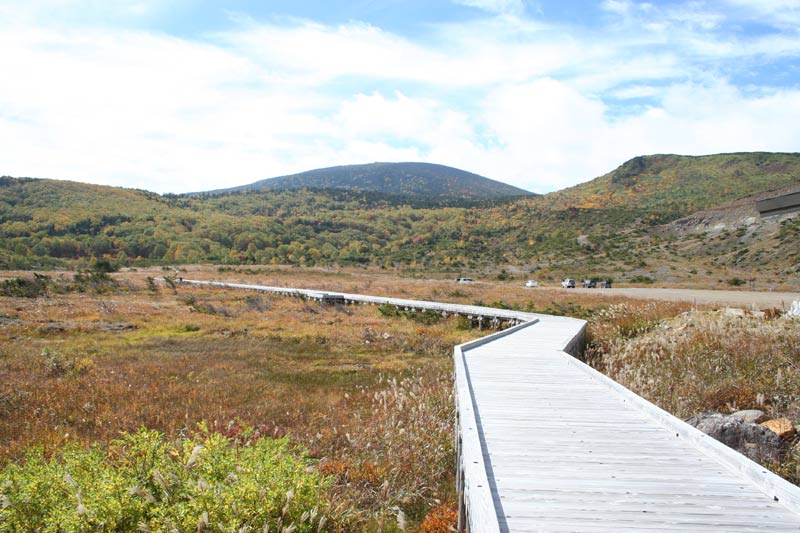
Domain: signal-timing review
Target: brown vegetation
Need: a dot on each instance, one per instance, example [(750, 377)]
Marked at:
[(690, 361), (369, 397), (352, 387)]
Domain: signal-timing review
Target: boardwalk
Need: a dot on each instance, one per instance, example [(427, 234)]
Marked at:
[(546, 443)]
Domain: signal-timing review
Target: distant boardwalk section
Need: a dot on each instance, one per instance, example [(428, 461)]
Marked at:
[(546, 443)]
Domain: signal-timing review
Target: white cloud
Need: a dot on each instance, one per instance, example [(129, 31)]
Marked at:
[(135, 108), (481, 53), (545, 133), (719, 118), (535, 104), (374, 115), (781, 13), (62, 13), (504, 7), (551, 136), (617, 6)]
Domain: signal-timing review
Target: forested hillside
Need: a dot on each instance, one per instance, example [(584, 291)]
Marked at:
[(671, 186), (618, 225)]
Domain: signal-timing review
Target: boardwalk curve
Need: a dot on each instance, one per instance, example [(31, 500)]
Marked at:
[(546, 443)]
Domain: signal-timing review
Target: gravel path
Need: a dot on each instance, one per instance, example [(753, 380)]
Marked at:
[(761, 300)]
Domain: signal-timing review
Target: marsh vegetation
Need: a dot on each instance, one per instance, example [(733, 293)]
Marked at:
[(352, 404)]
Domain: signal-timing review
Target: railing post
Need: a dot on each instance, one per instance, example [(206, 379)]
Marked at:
[(461, 524)]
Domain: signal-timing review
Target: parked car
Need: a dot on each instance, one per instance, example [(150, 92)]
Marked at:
[(589, 284), (605, 284), (464, 280), (531, 283), (568, 283)]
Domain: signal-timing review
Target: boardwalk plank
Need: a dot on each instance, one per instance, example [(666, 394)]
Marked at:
[(626, 470)]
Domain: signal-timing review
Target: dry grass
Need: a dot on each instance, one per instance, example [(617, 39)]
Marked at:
[(369, 396), (351, 386), (702, 361)]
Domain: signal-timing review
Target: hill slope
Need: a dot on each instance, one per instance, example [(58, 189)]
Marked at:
[(672, 186), (629, 224), (409, 179)]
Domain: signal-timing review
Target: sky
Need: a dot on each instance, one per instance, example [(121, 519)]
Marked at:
[(190, 95)]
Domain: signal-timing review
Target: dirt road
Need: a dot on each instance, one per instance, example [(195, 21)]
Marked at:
[(761, 300)]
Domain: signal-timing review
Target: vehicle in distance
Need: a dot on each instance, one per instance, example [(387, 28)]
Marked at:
[(568, 283), (605, 284), (464, 280), (531, 283), (589, 284)]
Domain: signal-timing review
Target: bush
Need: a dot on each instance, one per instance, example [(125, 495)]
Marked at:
[(24, 287), (98, 280), (105, 266), (427, 317), (736, 282), (145, 482), (441, 519), (151, 284)]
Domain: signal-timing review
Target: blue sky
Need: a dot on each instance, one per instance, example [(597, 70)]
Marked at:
[(186, 95)]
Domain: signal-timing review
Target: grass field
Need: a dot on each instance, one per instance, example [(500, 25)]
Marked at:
[(368, 397)]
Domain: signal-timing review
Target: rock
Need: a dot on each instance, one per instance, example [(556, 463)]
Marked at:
[(754, 416), (116, 327), (733, 311), (755, 441), (782, 427)]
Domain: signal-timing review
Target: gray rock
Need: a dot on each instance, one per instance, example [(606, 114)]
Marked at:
[(755, 441), (754, 416)]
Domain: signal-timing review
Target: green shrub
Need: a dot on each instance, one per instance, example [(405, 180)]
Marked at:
[(427, 317), (24, 287), (104, 265), (98, 280), (145, 482), (151, 284)]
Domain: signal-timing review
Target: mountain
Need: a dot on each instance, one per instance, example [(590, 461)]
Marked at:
[(398, 179), (663, 217)]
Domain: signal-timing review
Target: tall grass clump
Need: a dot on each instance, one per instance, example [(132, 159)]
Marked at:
[(146, 482), (701, 361), (392, 459)]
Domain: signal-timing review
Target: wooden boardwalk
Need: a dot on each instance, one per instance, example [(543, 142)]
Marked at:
[(488, 316), (546, 443), (549, 444)]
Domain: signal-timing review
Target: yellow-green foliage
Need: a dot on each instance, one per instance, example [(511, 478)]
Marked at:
[(49, 223), (146, 482)]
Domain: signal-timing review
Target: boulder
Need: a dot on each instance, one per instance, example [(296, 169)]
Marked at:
[(754, 416), (755, 441), (782, 427)]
